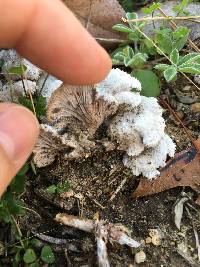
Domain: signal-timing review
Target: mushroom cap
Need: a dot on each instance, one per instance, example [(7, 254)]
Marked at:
[(79, 108)]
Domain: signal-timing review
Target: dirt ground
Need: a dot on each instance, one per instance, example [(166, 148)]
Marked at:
[(94, 181)]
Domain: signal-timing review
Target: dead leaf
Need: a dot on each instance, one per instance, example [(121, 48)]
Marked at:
[(98, 16), (178, 211), (182, 170)]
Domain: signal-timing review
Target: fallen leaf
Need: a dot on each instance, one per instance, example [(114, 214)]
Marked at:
[(182, 170), (99, 16), (178, 211)]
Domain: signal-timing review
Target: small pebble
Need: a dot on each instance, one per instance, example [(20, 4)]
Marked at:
[(195, 107), (148, 240), (140, 257), (155, 237)]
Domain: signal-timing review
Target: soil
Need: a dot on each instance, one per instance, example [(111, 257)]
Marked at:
[(93, 182)]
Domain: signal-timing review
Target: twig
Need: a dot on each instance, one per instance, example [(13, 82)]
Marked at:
[(89, 195), (118, 189), (103, 231), (116, 233), (174, 26), (187, 258), (50, 239), (29, 91), (69, 264), (117, 41), (187, 131), (89, 15), (160, 18), (43, 84)]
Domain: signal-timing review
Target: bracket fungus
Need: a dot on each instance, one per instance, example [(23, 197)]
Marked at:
[(132, 121)]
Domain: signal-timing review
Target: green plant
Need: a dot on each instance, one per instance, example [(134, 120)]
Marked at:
[(143, 51), (180, 8), (60, 188), (28, 254), (39, 104), (11, 204), (189, 63)]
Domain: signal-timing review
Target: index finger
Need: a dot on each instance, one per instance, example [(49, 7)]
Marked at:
[(48, 34)]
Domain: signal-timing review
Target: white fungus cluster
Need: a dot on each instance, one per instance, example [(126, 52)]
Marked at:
[(12, 59), (133, 121), (115, 89), (139, 130), (33, 79)]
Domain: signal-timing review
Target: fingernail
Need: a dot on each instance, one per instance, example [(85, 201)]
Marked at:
[(17, 132)]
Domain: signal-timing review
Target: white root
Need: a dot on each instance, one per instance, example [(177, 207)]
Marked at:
[(103, 231)]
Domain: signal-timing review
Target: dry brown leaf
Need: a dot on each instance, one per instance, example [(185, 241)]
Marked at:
[(182, 170), (98, 16)]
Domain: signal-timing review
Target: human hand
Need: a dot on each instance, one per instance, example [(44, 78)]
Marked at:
[(46, 33)]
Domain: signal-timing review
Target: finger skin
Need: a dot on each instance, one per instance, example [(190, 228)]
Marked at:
[(23, 128), (48, 34)]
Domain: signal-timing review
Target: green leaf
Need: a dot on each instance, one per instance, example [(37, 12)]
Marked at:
[(29, 256), (34, 264), (63, 187), (35, 242), (170, 73), (137, 60), (162, 67), (180, 7), (149, 81), (47, 255), (33, 167), (151, 9), (51, 189), (122, 28), (174, 56), (189, 58), (181, 32), (131, 16), (164, 41), (20, 70), (18, 184), (190, 68), (24, 169)]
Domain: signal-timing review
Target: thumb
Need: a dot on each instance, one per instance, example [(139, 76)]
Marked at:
[(18, 133)]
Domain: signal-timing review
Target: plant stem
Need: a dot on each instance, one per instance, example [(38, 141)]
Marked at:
[(160, 18), (174, 26), (138, 29)]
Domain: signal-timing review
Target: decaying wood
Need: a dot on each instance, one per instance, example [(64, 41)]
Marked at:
[(182, 170), (99, 16), (103, 231)]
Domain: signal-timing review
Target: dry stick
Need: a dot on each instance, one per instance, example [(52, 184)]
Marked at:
[(161, 18), (103, 231), (89, 15), (187, 131), (115, 233), (174, 26), (89, 195), (29, 91), (149, 39), (118, 189)]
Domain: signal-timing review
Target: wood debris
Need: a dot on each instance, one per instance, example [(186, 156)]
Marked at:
[(103, 232)]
